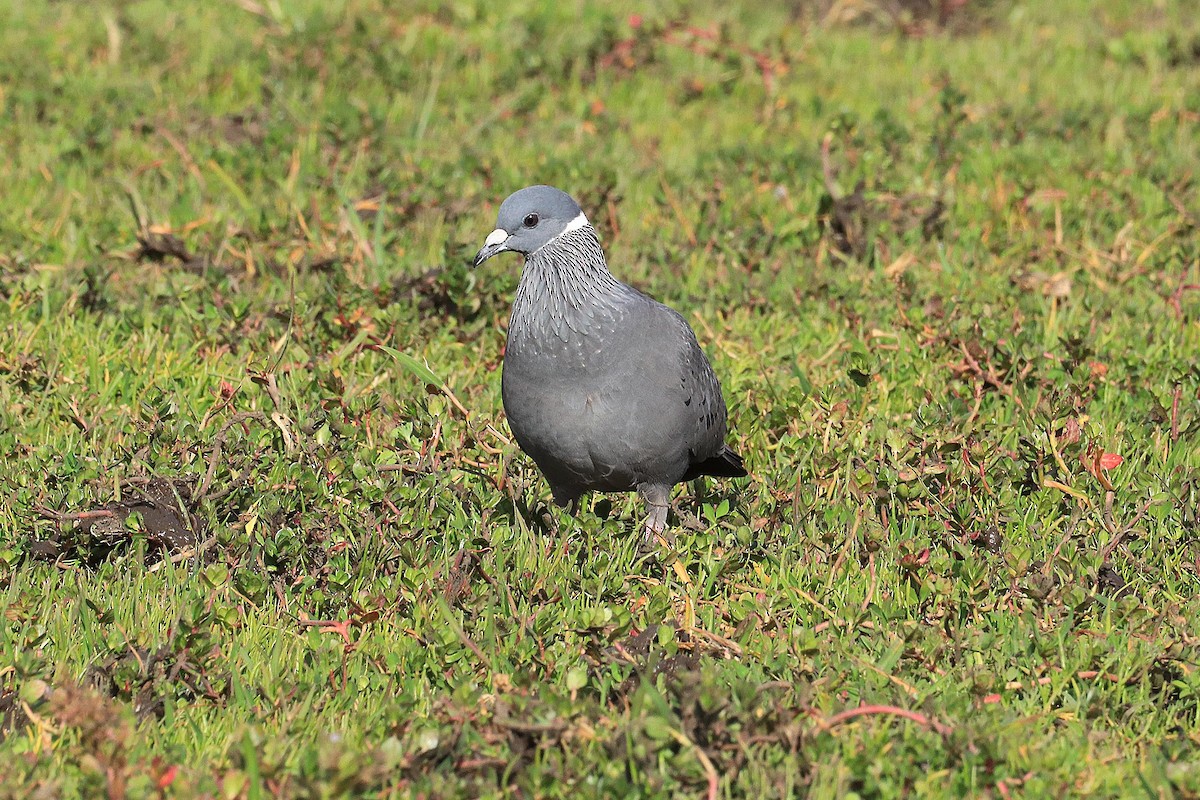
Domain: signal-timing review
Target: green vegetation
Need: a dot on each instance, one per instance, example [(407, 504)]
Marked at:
[(252, 547)]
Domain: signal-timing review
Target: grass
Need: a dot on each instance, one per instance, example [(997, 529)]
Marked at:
[(250, 547)]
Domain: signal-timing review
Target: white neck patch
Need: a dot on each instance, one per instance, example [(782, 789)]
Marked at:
[(574, 225)]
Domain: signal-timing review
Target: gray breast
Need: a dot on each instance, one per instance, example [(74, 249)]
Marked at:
[(609, 392)]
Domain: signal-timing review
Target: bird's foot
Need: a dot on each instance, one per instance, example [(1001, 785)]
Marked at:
[(657, 500)]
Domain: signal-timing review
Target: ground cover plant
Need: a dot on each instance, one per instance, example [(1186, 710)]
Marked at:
[(262, 529)]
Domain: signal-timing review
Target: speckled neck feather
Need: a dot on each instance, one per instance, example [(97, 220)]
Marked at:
[(565, 289)]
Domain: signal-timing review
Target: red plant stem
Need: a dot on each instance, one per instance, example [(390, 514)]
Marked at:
[(894, 711)]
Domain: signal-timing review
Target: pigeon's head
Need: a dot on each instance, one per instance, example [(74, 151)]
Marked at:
[(530, 219)]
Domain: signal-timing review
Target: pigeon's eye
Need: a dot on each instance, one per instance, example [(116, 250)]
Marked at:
[(531, 221)]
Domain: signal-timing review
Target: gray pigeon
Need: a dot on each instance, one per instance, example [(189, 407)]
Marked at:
[(605, 388)]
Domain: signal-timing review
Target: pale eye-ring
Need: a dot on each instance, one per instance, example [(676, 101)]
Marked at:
[(531, 220)]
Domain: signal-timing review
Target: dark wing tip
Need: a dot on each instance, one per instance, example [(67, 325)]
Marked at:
[(726, 464)]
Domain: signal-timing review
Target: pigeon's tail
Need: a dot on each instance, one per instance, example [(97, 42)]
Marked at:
[(725, 464)]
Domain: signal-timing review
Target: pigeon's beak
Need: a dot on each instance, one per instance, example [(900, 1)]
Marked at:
[(496, 242)]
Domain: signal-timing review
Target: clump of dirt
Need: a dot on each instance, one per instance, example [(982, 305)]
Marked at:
[(160, 510), (429, 291), (1182, 52), (26, 370), (12, 714), (643, 652), (160, 246), (1109, 582), (710, 714), (911, 18), (989, 539), (104, 732), (145, 677), (854, 221)]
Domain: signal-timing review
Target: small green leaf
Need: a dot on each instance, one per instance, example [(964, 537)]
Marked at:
[(33, 691), (658, 728), (412, 365), (806, 387), (577, 678)]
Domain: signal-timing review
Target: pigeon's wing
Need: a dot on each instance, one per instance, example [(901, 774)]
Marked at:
[(700, 393), (684, 413), (709, 454)]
